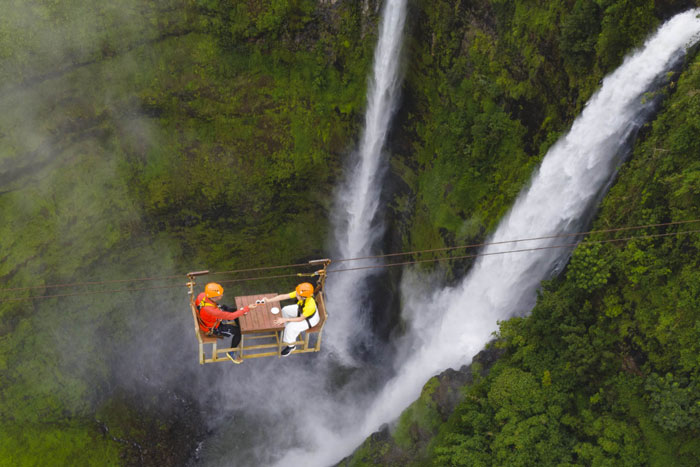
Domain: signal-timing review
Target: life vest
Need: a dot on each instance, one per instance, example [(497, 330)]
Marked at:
[(206, 324), (300, 311)]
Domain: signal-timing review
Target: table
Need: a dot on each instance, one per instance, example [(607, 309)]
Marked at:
[(258, 319)]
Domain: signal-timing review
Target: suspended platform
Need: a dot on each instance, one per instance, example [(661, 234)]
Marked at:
[(260, 337)]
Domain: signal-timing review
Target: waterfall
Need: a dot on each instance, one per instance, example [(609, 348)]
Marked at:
[(573, 176), (355, 220)]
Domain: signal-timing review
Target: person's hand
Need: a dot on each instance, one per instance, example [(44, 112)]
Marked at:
[(279, 321)]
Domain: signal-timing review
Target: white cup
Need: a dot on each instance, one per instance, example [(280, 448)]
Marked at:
[(274, 310)]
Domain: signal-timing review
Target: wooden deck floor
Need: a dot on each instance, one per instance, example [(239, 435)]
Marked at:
[(259, 319)]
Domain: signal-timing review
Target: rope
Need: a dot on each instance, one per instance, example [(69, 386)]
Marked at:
[(259, 269), (405, 263), (548, 237), (388, 255), (143, 279), (230, 281), (76, 284), (89, 293)]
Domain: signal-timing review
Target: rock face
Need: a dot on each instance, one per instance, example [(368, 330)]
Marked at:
[(406, 441)]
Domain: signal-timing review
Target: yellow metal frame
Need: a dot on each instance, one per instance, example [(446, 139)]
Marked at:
[(270, 339), (273, 339)]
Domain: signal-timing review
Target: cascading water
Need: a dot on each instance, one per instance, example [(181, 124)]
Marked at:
[(573, 175), (356, 227)]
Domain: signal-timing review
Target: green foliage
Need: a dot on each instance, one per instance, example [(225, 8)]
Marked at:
[(515, 394), (465, 439), (625, 23), (72, 442), (579, 35), (616, 443), (675, 404), (588, 268), (419, 419), (45, 37), (529, 428)]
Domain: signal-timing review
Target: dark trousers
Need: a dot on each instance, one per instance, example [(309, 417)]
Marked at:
[(232, 330)]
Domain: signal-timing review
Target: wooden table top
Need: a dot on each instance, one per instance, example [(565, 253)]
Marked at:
[(258, 319)]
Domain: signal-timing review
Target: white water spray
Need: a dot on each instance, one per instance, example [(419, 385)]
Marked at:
[(355, 215), (574, 173)]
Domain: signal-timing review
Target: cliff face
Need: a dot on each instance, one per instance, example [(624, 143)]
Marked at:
[(148, 139)]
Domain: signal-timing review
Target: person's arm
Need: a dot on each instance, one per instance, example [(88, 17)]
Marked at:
[(279, 298), (221, 314), (309, 310), (281, 320)]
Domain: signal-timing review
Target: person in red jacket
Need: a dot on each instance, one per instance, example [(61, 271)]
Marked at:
[(212, 313)]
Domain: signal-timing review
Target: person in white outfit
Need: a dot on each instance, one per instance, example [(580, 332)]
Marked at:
[(297, 318)]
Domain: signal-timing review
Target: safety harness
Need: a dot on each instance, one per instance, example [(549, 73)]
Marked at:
[(300, 312), (213, 330)]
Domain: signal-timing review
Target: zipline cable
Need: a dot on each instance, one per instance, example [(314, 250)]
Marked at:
[(90, 293), (78, 284), (548, 237), (405, 263), (388, 255), (142, 279), (450, 258)]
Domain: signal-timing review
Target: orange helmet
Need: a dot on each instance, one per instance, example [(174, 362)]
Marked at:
[(305, 289), (213, 289)]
